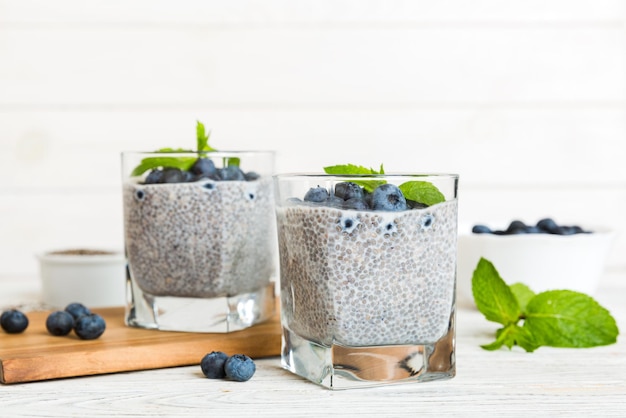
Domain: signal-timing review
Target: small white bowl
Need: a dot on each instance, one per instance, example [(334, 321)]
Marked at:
[(540, 261), (95, 278)]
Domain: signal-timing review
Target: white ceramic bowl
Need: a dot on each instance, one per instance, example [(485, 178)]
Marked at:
[(95, 278), (540, 261)]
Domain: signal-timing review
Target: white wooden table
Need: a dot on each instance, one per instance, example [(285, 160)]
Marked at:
[(549, 382)]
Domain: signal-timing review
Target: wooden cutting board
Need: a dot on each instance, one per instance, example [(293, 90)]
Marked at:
[(36, 355)]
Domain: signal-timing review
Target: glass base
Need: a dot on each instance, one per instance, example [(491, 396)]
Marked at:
[(217, 315), (343, 367)]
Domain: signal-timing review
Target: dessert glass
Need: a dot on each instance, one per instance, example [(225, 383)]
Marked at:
[(200, 253), (367, 297)]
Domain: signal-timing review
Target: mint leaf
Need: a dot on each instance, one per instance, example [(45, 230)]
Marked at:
[(352, 169), (512, 335), (493, 297), (347, 169), (564, 318), (183, 163), (422, 192), (203, 138), (522, 293)]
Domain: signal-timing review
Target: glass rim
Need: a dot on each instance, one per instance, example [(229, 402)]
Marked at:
[(305, 175), (215, 153)]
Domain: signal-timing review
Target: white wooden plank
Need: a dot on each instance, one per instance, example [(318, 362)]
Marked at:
[(488, 147), (307, 11), (333, 68)]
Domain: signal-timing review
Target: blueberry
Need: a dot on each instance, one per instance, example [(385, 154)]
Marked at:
[(348, 223), (427, 221), (77, 310), (516, 227), (231, 173), (212, 365), (548, 225), (60, 323), (239, 367), (203, 167), (388, 197), (251, 176), (416, 205), (140, 195), (188, 177), (155, 176), (334, 201), (89, 327), (481, 229), (13, 321), (209, 185), (316, 194), (348, 190), (173, 175), (355, 203)]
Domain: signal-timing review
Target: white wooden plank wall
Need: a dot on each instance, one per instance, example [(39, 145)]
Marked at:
[(525, 99)]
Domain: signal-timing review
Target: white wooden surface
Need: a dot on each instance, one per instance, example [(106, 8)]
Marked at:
[(526, 100), (547, 383)]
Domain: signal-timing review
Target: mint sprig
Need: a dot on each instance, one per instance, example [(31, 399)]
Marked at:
[(555, 318), (418, 191), (182, 163)]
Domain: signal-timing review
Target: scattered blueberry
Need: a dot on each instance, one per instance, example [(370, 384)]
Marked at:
[(89, 327), (212, 365), (348, 190), (548, 225), (388, 197), (516, 227), (239, 367), (316, 194), (60, 323), (13, 321), (77, 310)]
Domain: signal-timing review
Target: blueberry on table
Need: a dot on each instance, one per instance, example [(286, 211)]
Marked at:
[(212, 365), (13, 321), (239, 367), (316, 194), (388, 197), (89, 327), (60, 323), (77, 310), (517, 227)]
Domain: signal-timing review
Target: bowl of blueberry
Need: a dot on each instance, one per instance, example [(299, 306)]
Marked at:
[(543, 255)]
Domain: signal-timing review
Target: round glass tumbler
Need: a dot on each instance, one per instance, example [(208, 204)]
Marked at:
[(200, 239), (367, 282)]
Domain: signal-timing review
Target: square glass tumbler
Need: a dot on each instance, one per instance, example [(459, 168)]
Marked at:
[(200, 240), (367, 277)]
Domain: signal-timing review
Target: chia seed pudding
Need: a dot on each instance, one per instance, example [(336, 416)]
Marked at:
[(365, 278), (200, 239)]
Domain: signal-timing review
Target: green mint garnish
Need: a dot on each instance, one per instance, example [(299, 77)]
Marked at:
[(418, 191), (182, 163), (422, 191), (555, 318), (352, 169)]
